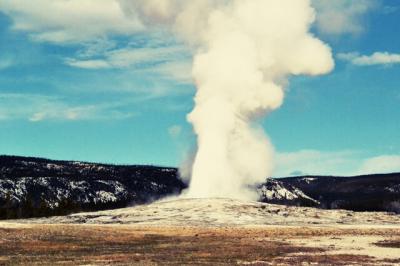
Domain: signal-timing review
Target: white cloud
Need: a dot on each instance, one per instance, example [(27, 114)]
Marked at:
[(36, 108), (390, 9), (83, 20), (313, 162), (6, 62), (175, 131), (127, 57), (69, 20), (172, 61), (92, 24), (381, 164), (337, 17), (180, 71), (341, 163), (62, 111), (377, 58), (88, 64), (97, 47)]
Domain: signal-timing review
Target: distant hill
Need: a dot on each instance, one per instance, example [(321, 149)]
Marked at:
[(378, 192), (31, 187), (35, 187)]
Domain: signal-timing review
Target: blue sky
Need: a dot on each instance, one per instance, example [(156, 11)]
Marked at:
[(93, 85)]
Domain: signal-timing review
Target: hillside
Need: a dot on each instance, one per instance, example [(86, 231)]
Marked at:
[(378, 192), (36, 187), (31, 187)]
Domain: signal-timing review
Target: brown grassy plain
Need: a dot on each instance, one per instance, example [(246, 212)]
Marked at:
[(134, 245)]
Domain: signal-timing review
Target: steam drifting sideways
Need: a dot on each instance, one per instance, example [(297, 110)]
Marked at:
[(244, 51)]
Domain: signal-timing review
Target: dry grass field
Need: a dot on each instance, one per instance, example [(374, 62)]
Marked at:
[(149, 245)]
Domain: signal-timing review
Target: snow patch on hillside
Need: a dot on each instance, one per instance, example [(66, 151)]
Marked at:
[(58, 189), (274, 190)]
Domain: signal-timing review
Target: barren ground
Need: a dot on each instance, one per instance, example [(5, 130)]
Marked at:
[(133, 245), (216, 232)]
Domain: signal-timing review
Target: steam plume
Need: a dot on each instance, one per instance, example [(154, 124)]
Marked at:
[(244, 51)]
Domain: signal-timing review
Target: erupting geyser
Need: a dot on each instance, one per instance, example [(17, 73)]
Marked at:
[(244, 51)]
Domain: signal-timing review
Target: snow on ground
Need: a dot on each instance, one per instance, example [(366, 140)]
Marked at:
[(309, 180), (276, 191), (224, 212)]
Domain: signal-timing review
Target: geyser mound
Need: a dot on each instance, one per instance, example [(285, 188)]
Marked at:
[(211, 212)]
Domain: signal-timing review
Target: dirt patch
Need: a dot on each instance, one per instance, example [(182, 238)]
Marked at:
[(392, 243)]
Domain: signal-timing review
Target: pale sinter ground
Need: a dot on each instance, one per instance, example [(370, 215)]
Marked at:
[(207, 231)]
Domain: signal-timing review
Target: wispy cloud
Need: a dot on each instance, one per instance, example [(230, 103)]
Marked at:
[(69, 21), (126, 57), (172, 61), (88, 64), (313, 162), (95, 28), (180, 71), (83, 20), (6, 62), (77, 113), (342, 16), (390, 9), (36, 108), (377, 58), (381, 164), (175, 131), (345, 163)]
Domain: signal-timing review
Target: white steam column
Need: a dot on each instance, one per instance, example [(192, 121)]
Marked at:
[(244, 51)]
